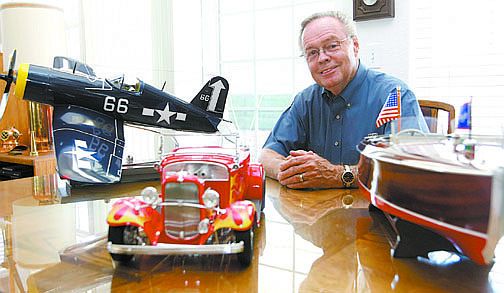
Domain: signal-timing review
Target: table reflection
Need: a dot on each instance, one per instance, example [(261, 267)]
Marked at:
[(54, 239), (356, 242)]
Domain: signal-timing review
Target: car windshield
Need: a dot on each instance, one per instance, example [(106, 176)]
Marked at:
[(128, 84), (204, 170)]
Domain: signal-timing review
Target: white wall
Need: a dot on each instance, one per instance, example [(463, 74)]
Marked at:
[(384, 43)]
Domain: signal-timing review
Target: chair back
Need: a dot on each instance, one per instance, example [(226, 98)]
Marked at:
[(430, 109)]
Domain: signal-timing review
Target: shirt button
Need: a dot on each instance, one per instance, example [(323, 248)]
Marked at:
[(337, 117), (348, 105), (336, 143)]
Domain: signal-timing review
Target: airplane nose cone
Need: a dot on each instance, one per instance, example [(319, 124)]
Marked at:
[(21, 80), (32, 84)]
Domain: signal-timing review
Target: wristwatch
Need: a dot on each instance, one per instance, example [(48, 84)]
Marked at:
[(348, 177)]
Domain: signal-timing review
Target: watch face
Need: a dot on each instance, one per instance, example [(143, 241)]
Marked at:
[(348, 177)]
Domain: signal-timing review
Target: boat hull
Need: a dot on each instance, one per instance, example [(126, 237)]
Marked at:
[(456, 205)]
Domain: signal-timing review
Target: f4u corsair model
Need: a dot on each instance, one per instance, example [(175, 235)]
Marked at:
[(89, 113)]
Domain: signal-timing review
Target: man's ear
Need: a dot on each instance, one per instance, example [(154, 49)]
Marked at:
[(355, 45)]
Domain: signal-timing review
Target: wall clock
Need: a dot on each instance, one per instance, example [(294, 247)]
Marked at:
[(372, 9)]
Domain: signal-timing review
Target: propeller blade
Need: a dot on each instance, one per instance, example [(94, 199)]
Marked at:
[(10, 74), (3, 104), (8, 78), (12, 63)]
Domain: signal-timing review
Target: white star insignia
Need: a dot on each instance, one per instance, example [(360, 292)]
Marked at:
[(165, 114)]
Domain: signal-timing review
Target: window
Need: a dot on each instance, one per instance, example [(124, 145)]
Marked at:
[(254, 45), (259, 55), (458, 54)]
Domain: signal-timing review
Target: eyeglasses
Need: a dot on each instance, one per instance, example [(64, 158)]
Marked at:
[(329, 49)]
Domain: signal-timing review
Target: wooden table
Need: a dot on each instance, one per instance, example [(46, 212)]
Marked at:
[(308, 241)]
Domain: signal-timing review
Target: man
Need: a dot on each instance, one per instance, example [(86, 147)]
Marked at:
[(313, 144)]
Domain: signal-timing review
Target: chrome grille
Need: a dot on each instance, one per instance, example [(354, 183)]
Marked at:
[(181, 222)]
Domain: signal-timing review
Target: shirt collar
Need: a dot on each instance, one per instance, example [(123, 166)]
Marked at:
[(355, 84)]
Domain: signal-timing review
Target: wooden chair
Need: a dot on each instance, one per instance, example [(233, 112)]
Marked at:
[(431, 108)]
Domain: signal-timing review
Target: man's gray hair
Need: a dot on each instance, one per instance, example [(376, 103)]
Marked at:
[(348, 23)]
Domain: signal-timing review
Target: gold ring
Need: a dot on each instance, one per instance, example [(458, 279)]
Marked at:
[(301, 178)]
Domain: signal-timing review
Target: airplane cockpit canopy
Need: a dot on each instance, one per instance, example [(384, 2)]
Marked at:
[(71, 65), (128, 84)]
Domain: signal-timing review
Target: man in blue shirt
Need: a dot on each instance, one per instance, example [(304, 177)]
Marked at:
[(314, 141)]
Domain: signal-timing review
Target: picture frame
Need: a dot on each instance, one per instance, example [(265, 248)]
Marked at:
[(372, 9)]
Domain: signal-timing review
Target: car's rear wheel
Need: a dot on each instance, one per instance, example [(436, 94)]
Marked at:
[(247, 236), (122, 235)]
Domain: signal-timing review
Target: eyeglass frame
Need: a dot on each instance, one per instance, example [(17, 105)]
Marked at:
[(340, 42)]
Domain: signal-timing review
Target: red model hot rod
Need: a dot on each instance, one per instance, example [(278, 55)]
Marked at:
[(207, 205)]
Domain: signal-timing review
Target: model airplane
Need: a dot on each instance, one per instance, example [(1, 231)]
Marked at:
[(89, 113)]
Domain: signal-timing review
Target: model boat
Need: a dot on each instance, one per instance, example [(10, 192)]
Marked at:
[(452, 186)]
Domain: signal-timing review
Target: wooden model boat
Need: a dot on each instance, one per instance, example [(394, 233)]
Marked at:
[(450, 185)]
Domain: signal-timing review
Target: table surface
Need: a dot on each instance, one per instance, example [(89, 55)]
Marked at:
[(308, 241)]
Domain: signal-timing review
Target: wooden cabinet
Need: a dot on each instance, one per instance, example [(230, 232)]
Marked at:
[(43, 164)]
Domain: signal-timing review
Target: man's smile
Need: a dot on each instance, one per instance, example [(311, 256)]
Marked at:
[(328, 70)]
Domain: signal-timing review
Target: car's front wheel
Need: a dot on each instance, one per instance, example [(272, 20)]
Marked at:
[(122, 235), (247, 236)]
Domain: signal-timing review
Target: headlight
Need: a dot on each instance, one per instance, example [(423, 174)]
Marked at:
[(203, 226), (211, 198), (150, 195)]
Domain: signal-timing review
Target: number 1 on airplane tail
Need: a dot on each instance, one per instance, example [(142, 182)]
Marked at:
[(212, 97)]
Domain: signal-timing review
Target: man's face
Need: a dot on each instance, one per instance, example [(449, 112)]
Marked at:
[(332, 70)]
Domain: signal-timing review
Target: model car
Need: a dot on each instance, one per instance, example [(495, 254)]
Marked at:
[(210, 201)]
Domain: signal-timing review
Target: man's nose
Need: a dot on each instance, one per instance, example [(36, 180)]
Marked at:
[(322, 57)]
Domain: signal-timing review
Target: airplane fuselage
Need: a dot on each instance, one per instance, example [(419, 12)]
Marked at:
[(89, 114), (143, 105)]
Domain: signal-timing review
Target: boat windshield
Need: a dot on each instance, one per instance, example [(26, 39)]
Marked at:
[(133, 85)]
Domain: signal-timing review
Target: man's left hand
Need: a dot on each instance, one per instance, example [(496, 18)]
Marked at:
[(305, 169)]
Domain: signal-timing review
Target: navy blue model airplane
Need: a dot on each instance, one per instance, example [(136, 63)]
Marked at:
[(89, 113)]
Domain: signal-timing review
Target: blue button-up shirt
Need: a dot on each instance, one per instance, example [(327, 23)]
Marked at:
[(332, 126)]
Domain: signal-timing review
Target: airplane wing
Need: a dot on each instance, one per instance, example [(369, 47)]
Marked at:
[(89, 145)]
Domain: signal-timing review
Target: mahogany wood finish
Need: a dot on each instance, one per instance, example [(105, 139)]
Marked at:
[(458, 199)]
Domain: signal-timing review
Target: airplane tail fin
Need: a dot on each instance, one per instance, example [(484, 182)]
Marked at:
[(212, 97)]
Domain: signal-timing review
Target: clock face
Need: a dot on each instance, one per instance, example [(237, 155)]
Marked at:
[(369, 2)]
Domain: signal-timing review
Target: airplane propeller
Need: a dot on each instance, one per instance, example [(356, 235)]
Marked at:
[(9, 78)]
